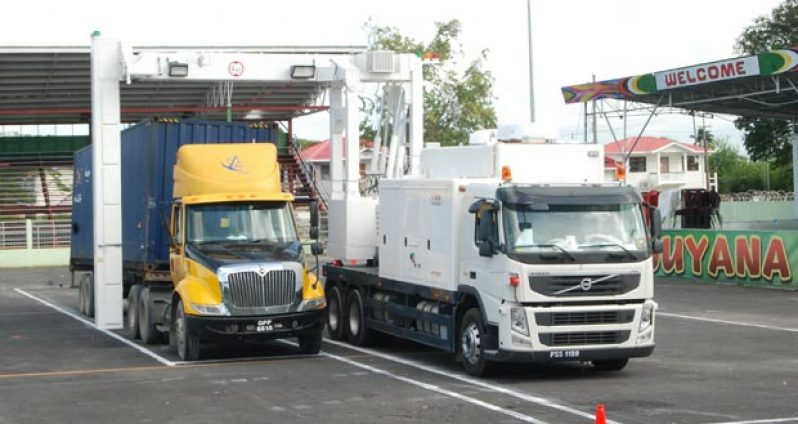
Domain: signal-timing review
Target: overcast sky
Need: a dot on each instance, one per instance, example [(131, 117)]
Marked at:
[(572, 39)]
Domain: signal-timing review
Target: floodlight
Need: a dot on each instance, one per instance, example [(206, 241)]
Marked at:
[(177, 69), (303, 71)]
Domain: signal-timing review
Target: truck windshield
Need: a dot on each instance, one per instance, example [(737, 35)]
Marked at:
[(594, 232), (265, 222)]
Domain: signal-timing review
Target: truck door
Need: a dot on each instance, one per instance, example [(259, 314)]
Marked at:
[(486, 272), (177, 251)]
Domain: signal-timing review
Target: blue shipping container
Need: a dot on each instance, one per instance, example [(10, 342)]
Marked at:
[(149, 151)]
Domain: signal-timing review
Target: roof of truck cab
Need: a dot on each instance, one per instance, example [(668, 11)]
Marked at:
[(237, 197)]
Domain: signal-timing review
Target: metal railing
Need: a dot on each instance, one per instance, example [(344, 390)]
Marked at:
[(35, 234), (758, 196), (307, 169), (13, 235)]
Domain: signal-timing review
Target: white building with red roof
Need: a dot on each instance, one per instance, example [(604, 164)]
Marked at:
[(659, 163), (317, 155)]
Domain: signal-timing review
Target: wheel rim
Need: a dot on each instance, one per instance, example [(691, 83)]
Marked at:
[(180, 331), (470, 343), (334, 313), (354, 319)]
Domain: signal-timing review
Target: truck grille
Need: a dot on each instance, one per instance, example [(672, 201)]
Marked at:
[(548, 285), (250, 290), (584, 318), (584, 338)]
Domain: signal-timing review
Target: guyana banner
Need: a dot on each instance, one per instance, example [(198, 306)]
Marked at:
[(757, 258)]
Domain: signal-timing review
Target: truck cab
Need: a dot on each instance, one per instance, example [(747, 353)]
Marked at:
[(563, 272), (236, 263)]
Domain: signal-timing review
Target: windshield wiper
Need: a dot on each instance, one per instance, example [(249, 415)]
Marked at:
[(553, 246), (618, 245)]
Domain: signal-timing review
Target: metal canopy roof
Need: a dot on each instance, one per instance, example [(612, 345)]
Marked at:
[(763, 85), (51, 85)]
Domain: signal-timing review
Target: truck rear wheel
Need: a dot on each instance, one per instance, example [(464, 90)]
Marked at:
[(147, 330), (188, 345), (132, 321), (86, 295), (335, 314), (610, 364), (470, 349), (310, 344), (357, 331)]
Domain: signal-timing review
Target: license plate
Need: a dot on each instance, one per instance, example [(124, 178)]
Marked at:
[(564, 354), (265, 326)]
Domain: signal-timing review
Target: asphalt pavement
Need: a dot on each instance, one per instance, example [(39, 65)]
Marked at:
[(725, 354)]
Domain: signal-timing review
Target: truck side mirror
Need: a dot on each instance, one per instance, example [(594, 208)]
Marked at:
[(314, 221), (656, 246), (314, 215), (486, 248)]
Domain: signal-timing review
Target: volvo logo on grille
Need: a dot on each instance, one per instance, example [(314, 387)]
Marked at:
[(262, 272), (586, 283)]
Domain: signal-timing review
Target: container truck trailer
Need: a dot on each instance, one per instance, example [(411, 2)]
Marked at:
[(210, 245), (508, 251)]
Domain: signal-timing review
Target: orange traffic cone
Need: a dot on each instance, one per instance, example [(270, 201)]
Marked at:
[(600, 417)]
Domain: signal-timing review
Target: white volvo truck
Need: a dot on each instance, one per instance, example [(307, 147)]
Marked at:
[(502, 252)]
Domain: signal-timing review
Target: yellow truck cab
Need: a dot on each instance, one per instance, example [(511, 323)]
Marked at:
[(236, 263)]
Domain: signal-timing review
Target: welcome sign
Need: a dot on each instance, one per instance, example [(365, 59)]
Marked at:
[(764, 258), (716, 71)]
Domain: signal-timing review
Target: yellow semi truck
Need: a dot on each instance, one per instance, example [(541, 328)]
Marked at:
[(224, 261), (236, 263)]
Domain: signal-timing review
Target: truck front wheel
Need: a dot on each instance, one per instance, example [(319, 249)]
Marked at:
[(357, 331), (470, 348), (187, 344), (335, 314), (310, 344)]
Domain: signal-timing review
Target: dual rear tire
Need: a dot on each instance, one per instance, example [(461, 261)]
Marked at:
[(86, 295), (346, 317)]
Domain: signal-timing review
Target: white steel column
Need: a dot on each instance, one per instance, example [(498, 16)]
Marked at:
[(416, 117), (352, 133), (107, 208), (337, 127)]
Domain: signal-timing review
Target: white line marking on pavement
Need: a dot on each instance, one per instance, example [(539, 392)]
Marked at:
[(765, 421), (723, 321), (143, 350), (448, 373), (430, 387)]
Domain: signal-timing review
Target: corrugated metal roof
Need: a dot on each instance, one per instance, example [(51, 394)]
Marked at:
[(52, 85)]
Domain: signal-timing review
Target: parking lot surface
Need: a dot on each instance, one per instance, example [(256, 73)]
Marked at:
[(724, 355)]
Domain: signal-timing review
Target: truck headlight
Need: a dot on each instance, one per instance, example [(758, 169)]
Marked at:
[(647, 316), (312, 304), (518, 321), (219, 309)]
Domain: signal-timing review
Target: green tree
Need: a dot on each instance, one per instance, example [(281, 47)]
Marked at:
[(768, 138), (737, 174), (456, 102)]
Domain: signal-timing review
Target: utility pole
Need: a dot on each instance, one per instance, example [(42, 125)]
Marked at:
[(584, 133), (706, 148), (531, 79), (595, 130)]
